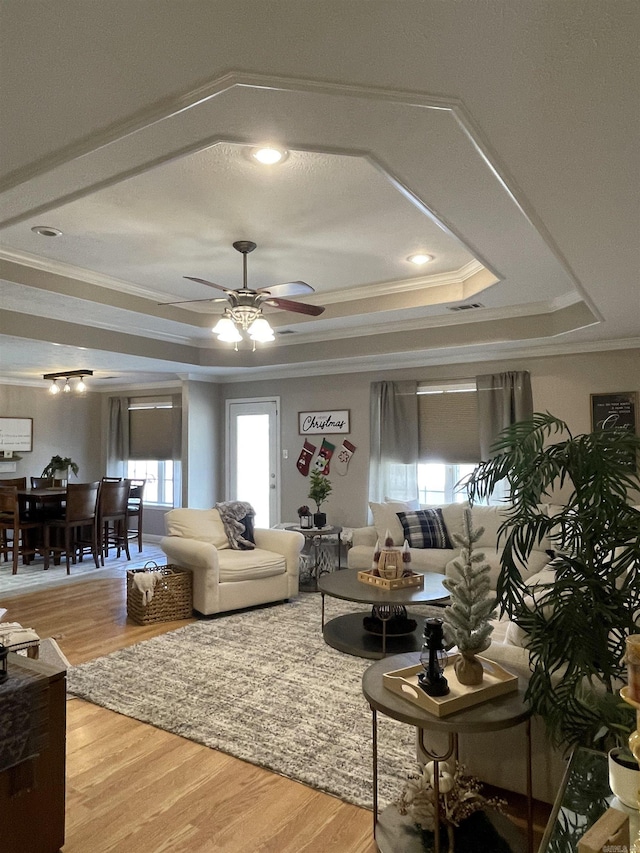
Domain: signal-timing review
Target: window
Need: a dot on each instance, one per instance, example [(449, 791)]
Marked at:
[(437, 483), (449, 447), (159, 479), (153, 428)]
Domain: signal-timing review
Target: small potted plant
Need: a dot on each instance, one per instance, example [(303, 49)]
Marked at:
[(319, 491), (61, 464)]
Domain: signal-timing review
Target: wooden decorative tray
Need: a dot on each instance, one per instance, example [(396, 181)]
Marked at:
[(496, 682), (414, 579)]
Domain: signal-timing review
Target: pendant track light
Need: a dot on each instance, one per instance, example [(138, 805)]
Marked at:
[(68, 375)]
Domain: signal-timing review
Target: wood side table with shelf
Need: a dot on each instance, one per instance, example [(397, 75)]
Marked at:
[(502, 712)]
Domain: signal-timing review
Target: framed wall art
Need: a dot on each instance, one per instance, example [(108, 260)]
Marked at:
[(614, 410), (16, 434), (332, 422)]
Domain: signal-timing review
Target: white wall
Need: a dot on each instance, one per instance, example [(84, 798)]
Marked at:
[(64, 425), (202, 443), (74, 427), (561, 385)]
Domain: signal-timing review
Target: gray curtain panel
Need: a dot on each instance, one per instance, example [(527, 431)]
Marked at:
[(394, 441), (118, 437), (503, 399)]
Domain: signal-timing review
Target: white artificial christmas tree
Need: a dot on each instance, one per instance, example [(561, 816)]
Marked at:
[(472, 604)]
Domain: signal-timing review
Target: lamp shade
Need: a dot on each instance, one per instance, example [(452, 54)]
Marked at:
[(261, 331), (226, 331)]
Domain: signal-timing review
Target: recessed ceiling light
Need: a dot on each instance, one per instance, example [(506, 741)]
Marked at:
[(420, 259), (269, 155), (46, 231)]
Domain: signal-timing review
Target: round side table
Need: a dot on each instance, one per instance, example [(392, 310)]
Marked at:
[(326, 544), (503, 712)]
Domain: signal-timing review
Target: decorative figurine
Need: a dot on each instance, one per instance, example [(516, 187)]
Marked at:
[(433, 658)]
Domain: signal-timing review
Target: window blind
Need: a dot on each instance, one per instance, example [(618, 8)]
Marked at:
[(151, 428), (448, 427)]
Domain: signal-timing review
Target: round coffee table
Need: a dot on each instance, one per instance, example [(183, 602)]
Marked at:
[(348, 634)]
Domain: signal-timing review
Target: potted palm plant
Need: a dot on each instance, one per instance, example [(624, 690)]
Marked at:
[(319, 490), (61, 464), (576, 625)]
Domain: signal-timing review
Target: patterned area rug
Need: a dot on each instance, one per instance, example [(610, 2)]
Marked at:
[(263, 686)]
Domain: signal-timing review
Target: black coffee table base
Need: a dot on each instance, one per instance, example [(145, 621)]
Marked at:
[(347, 634)]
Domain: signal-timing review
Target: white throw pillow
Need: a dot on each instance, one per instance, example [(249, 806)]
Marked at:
[(203, 525), (385, 518)]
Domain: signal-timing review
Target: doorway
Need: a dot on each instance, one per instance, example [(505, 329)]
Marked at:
[(253, 458)]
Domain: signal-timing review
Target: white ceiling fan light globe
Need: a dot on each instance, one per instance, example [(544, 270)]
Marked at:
[(54, 388), (226, 331), (261, 331)]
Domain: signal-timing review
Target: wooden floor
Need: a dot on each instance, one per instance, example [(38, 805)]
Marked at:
[(131, 787)]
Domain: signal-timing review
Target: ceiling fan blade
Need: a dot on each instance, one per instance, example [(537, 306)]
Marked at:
[(209, 283), (288, 288), (186, 301), (298, 307)]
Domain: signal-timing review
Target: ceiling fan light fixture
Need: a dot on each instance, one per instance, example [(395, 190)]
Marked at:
[(261, 331), (226, 330), (67, 386), (54, 388), (269, 155), (419, 259)]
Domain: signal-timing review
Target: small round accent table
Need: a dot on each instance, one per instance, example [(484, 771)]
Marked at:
[(326, 544), (348, 634), (502, 712)]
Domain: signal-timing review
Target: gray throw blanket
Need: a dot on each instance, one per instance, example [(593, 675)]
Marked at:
[(237, 518)]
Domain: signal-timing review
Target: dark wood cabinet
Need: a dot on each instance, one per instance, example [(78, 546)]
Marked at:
[(32, 819)]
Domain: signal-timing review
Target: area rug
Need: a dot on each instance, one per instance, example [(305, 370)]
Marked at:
[(262, 686)]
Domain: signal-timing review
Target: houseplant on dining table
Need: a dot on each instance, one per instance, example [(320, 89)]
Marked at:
[(62, 465)]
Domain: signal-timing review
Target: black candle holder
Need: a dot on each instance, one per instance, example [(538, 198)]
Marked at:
[(433, 658), (4, 651)]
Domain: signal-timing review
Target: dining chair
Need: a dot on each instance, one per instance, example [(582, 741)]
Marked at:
[(79, 516), (39, 510), (135, 506), (45, 483), (112, 517), (18, 482), (11, 522)]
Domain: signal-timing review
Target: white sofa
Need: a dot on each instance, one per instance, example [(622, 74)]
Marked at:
[(224, 578), (385, 518), (497, 758)]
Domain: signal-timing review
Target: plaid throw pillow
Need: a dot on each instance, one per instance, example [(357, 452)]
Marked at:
[(425, 528)]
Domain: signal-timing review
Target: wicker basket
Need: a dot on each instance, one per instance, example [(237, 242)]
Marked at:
[(172, 597)]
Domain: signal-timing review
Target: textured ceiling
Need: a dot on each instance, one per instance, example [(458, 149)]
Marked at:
[(377, 169)]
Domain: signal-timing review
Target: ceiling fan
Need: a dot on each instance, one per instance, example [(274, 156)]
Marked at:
[(245, 303)]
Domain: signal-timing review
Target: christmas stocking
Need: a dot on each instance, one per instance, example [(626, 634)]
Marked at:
[(324, 457), (344, 456), (304, 460)]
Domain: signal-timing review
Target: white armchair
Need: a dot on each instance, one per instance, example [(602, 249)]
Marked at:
[(224, 578)]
